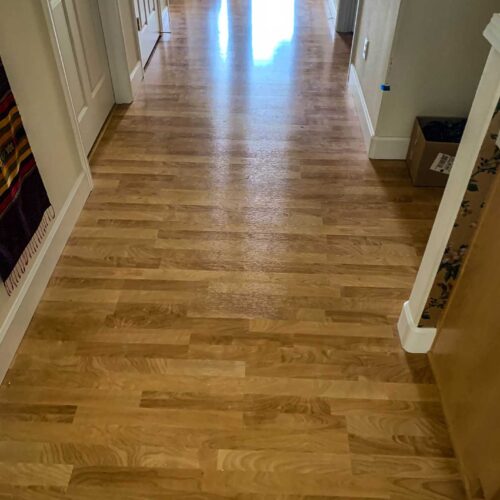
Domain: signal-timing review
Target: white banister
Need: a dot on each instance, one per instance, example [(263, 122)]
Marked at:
[(414, 338)]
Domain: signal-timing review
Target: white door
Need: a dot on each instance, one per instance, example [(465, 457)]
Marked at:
[(148, 25), (164, 16), (81, 41), (346, 15)]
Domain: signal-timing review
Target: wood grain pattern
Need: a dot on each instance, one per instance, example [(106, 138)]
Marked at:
[(221, 324), (468, 333)]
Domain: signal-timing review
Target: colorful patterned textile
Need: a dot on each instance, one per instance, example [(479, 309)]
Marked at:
[(25, 210)]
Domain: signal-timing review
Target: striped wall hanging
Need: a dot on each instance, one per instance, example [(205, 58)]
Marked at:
[(25, 209)]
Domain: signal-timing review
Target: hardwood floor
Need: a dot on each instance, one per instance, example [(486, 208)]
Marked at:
[(222, 321)]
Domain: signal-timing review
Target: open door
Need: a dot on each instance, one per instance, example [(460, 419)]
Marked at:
[(466, 356), (81, 42), (164, 16), (148, 25), (343, 14)]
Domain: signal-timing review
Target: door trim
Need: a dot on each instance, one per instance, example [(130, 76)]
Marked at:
[(124, 82), (146, 44), (160, 16), (346, 16), (47, 10)]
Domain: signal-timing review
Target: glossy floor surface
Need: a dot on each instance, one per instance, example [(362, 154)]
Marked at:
[(221, 324)]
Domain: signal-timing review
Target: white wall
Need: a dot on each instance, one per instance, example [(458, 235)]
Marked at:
[(26, 51), (438, 56), (430, 52), (376, 21)]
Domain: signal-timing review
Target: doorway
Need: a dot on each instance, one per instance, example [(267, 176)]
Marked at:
[(83, 51), (148, 26)]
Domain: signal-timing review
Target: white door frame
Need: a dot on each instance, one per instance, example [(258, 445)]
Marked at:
[(124, 81), (345, 15), (160, 16), (148, 34), (47, 6)]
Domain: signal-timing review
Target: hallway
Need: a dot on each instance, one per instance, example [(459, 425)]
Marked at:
[(222, 321)]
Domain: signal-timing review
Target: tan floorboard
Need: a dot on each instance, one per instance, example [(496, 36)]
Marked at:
[(222, 321)]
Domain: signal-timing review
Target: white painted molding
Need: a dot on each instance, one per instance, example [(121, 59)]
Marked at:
[(34, 283), (362, 108), (388, 148), (413, 338), (115, 47), (47, 7), (161, 15), (346, 16), (136, 77), (492, 32)]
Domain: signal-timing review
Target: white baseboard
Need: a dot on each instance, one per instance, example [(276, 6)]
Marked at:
[(136, 77), (34, 283), (413, 338), (388, 148), (359, 99)]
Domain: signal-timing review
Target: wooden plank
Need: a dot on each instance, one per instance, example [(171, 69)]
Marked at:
[(221, 323)]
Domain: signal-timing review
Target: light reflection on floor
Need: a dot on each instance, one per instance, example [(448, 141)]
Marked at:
[(243, 74), (273, 24), (223, 28)]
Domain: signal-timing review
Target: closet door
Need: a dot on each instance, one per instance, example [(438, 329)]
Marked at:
[(148, 25), (81, 41)]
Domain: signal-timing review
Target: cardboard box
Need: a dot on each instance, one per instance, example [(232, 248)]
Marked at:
[(434, 140)]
